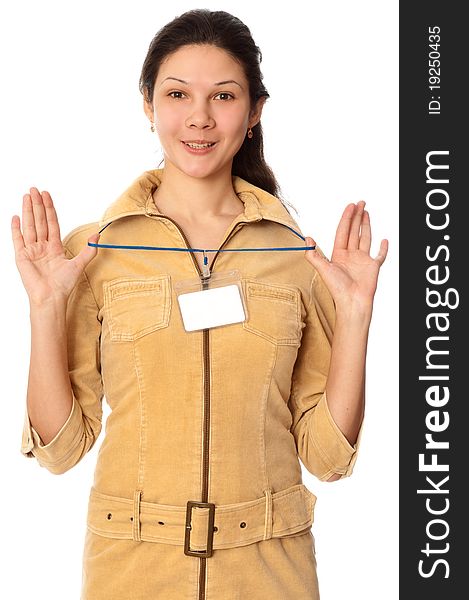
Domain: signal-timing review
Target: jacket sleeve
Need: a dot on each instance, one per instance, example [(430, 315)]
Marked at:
[(83, 425), (321, 445)]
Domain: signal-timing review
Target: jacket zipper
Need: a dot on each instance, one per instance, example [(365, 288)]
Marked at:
[(206, 359)]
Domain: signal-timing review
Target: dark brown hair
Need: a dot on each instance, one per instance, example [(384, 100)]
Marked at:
[(223, 30)]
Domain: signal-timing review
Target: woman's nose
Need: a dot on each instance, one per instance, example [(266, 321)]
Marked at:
[(200, 116)]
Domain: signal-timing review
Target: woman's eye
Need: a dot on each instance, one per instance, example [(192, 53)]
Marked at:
[(225, 94)]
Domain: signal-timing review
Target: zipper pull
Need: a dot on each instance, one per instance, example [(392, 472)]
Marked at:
[(205, 267)]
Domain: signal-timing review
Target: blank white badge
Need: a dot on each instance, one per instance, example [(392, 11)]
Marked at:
[(210, 308)]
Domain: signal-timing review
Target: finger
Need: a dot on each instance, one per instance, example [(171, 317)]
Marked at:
[(17, 236), (383, 252), (87, 253), (310, 242), (29, 228), (354, 236), (39, 215), (51, 216), (316, 257), (365, 238), (343, 229)]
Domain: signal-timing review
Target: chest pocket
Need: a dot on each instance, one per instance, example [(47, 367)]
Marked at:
[(274, 312), (136, 307)]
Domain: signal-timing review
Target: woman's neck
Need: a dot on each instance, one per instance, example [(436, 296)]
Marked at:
[(195, 199)]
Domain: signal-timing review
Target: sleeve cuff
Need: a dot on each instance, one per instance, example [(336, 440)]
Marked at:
[(337, 455), (61, 446)]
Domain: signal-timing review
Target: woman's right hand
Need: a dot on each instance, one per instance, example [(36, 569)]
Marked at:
[(47, 274)]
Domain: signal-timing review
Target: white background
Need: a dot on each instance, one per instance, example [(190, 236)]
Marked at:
[(72, 122)]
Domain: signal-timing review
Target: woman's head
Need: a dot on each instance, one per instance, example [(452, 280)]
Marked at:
[(204, 47)]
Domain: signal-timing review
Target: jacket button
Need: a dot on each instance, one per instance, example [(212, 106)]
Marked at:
[(242, 524)]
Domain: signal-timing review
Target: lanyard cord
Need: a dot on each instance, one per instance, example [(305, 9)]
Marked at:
[(205, 250)]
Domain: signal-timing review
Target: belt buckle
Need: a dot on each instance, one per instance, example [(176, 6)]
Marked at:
[(211, 519)]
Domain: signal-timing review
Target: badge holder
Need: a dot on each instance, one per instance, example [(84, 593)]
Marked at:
[(214, 302)]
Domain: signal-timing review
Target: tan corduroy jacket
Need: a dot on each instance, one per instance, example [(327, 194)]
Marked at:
[(219, 416)]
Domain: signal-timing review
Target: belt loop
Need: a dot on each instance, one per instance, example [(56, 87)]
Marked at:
[(136, 516), (268, 514)]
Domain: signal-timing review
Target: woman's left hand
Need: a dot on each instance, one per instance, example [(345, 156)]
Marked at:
[(352, 274)]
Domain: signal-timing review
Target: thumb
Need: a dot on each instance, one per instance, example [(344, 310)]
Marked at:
[(87, 253), (311, 255), (316, 256)]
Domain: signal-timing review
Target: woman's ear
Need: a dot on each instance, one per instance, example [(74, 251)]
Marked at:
[(148, 108), (257, 112)]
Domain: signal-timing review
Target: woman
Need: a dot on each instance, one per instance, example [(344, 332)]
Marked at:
[(197, 490)]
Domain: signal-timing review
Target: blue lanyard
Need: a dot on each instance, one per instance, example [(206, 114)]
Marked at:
[(206, 249)]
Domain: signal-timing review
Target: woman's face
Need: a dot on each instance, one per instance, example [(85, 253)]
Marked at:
[(201, 93)]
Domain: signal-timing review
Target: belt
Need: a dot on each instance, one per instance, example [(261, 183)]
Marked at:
[(202, 527)]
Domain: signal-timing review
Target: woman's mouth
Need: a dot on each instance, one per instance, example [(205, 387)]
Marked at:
[(195, 148)]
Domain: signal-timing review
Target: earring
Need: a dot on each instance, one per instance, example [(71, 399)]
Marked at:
[(152, 127), (250, 133)]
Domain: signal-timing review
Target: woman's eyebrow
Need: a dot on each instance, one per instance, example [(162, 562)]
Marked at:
[(217, 83)]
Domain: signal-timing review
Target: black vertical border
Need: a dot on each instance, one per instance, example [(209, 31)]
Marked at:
[(419, 134)]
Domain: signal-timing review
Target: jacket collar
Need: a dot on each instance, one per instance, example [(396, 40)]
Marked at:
[(138, 200)]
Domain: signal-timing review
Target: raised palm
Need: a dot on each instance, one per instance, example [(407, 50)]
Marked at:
[(352, 274), (46, 272)]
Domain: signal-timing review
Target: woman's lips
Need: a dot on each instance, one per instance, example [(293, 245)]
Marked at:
[(198, 150)]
